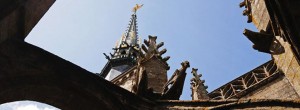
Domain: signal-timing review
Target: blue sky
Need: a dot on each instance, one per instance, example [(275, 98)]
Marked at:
[(208, 33)]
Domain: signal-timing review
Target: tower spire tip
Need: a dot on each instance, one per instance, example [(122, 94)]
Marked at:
[(137, 7)]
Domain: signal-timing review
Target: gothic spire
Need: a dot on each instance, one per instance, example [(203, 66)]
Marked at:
[(130, 37), (125, 52), (198, 88), (129, 42)]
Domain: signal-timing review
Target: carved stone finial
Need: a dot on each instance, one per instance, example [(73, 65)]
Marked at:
[(152, 39), (197, 85), (151, 49), (185, 65)]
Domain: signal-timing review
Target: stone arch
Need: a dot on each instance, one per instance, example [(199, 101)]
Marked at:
[(58, 93), (30, 73)]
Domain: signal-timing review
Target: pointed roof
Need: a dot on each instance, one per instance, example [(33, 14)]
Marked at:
[(130, 37), (126, 49), (128, 45)]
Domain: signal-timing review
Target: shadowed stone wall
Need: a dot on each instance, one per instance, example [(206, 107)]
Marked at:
[(277, 89), (156, 73), (286, 61)]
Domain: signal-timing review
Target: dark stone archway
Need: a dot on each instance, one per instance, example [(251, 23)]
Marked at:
[(30, 73)]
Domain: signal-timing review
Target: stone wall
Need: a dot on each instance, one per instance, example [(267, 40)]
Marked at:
[(156, 73), (277, 89), (286, 61), (267, 108), (126, 80), (240, 104), (130, 81), (260, 16)]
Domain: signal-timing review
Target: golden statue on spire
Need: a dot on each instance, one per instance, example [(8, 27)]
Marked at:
[(137, 7)]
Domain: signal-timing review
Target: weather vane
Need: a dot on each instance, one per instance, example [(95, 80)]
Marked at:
[(137, 7)]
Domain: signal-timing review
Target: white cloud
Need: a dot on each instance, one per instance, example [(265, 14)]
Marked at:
[(26, 105), (32, 107), (49, 108)]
